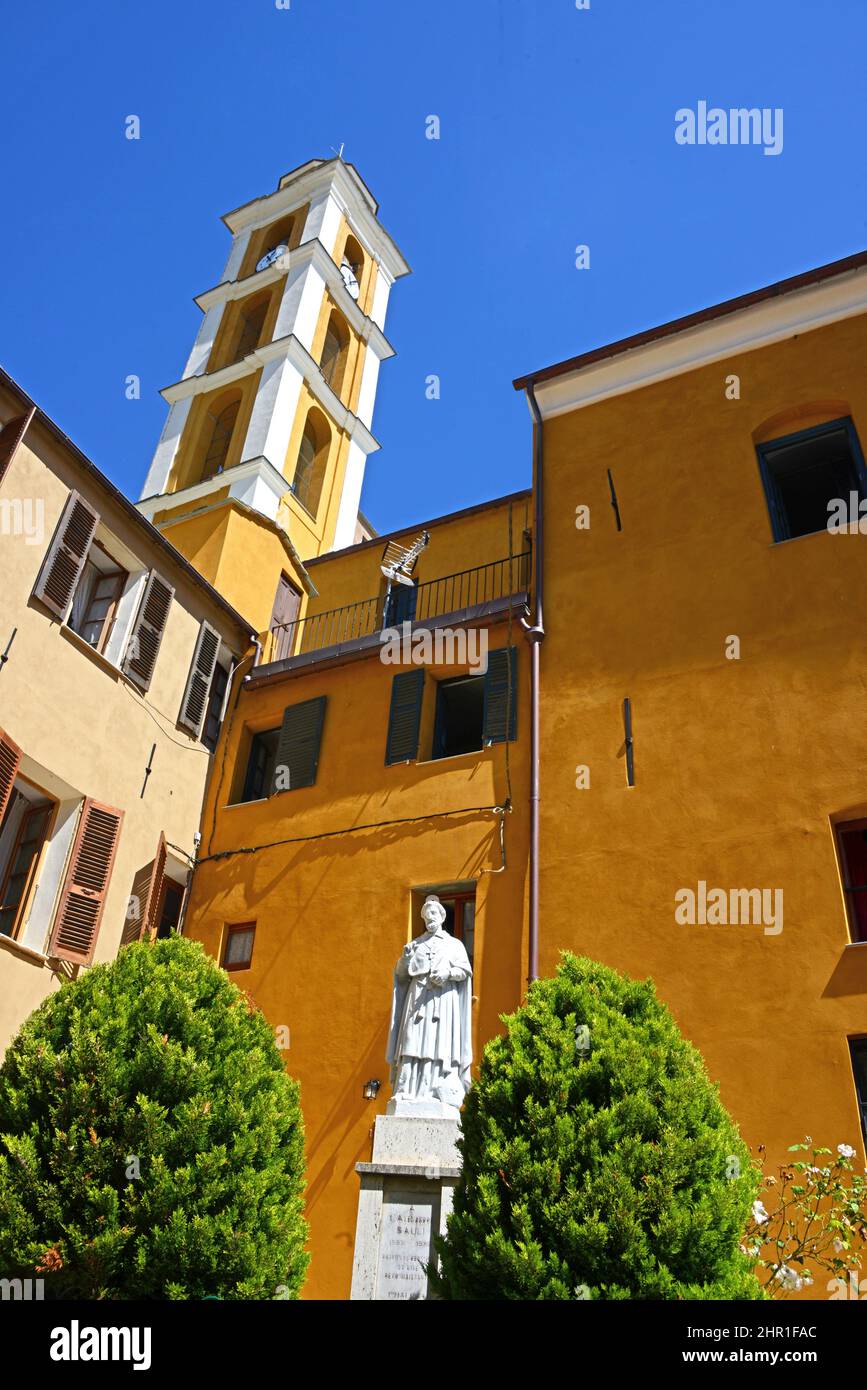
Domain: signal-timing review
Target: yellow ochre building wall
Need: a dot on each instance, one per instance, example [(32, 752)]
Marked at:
[(741, 766), (333, 911)]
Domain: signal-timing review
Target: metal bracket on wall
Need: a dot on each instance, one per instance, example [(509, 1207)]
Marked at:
[(628, 742), (4, 656), (614, 501), (148, 771)]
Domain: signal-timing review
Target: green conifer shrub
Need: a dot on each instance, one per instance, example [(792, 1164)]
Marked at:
[(598, 1161), (151, 1143)]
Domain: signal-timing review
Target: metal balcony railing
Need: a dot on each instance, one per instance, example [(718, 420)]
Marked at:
[(437, 598)]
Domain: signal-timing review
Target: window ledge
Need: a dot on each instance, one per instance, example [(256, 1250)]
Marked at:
[(806, 536), (17, 948), (475, 753), (96, 656), (855, 945), (108, 666)]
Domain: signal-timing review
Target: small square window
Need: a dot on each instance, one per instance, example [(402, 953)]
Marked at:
[(804, 473), (238, 946)]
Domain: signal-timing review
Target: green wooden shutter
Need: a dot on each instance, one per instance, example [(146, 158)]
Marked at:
[(501, 694), (298, 745), (404, 716)]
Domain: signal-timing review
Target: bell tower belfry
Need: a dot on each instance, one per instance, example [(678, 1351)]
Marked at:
[(262, 457)]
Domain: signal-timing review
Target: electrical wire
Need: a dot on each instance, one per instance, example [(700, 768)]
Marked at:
[(350, 830), (150, 709)]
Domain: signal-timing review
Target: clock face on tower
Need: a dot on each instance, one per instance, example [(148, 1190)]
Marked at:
[(271, 256), (349, 279)]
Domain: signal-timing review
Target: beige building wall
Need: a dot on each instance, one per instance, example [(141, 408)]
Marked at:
[(84, 728)]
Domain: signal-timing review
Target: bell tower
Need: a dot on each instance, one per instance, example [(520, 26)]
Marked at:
[(262, 457)]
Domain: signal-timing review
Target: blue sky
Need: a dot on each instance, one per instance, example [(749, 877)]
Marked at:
[(557, 128)]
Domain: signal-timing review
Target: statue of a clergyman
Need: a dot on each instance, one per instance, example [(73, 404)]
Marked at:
[(430, 1045)]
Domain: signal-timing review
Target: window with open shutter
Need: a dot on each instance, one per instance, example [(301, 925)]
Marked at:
[(195, 701), (144, 898), (11, 436), (298, 745), (61, 569), (82, 898), (501, 695), (404, 716), (147, 633), (10, 759)]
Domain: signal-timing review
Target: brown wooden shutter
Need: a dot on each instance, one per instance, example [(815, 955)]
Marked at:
[(10, 759), (82, 897), (147, 633), (67, 553), (195, 701), (11, 436), (144, 898)]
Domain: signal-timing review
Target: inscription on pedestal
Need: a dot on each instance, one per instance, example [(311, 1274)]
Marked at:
[(406, 1245)]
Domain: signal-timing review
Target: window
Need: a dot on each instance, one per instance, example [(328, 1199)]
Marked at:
[(461, 918), (302, 483), (169, 909), (858, 1049), (852, 851), (287, 605), (94, 603), (277, 235), (471, 712), (259, 777), (251, 322), (352, 266), (24, 833), (459, 901), (459, 720), (309, 474), (400, 605), (334, 351), (214, 712), (238, 946), (222, 427), (802, 473), (330, 354)]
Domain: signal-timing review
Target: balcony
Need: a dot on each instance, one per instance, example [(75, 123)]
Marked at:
[(469, 596)]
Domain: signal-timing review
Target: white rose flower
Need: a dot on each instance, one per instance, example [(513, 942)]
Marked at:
[(760, 1216), (845, 1151)]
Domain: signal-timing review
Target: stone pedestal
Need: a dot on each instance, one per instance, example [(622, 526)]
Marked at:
[(405, 1199)]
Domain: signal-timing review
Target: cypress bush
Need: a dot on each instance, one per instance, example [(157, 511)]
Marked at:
[(598, 1160), (151, 1143)]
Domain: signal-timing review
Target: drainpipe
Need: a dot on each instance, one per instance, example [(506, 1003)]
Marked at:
[(535, 633)]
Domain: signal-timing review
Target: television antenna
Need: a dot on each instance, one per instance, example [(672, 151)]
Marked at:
[(398, 562)]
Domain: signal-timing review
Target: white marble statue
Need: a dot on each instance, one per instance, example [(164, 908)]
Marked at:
[(430, 1044)]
